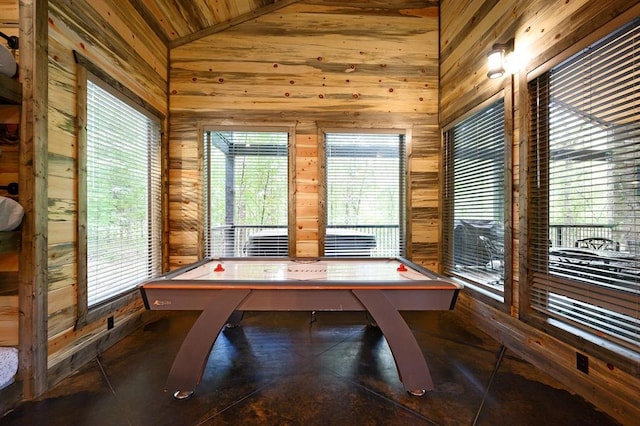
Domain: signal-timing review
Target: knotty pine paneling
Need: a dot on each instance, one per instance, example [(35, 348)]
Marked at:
[(313, 62), (113, 36), (9, 14), (306, 201), (74, 347), (543, 29), (8, 326), (194, 16)]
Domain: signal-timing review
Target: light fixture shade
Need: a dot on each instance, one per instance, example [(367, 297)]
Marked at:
[(495, 62), (497, 58)]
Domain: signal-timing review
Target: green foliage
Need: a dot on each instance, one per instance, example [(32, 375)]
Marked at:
[(249, 179)]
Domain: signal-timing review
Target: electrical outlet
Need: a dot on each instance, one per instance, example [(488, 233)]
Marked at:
[(110, 323), (582, 362)]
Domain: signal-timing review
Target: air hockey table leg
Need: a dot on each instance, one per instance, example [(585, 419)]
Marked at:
[(410, 362), (192, 356), (234, 319)]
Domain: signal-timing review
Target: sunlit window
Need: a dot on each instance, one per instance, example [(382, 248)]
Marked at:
[(123, 195), (474, 199), (246, 193), (365, 192), (584, 220)]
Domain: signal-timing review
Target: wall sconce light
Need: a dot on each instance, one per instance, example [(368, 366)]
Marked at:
[(497, 58)]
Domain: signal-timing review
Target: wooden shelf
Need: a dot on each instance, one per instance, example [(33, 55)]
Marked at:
[(10, 91)]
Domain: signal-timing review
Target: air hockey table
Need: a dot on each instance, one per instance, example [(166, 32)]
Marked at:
[(223, 287)]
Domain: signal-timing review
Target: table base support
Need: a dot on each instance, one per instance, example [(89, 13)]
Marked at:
[(410, 362), (190, 362), (191, 359)]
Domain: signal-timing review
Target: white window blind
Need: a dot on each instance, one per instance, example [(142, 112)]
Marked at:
[(474, 198), (247, 193), (123, 196), (365, 184), (585, 189)]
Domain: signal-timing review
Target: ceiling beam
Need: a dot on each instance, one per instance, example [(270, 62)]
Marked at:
[(278, 4)]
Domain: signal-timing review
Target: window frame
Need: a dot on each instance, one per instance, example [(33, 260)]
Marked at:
[(244, 126), (404, 222), (87, 70), (590, 342), (447, 233)]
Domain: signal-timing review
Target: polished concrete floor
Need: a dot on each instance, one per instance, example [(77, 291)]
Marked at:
[(284, 369)]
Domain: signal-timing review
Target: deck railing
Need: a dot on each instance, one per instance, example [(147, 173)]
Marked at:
[(233, 240), (567, 235)]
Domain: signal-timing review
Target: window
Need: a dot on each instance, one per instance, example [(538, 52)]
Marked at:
[(365, 193), (119, 195), (474, 198), (584, 212), (246, 193)]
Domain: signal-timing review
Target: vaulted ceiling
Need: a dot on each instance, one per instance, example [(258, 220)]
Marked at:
[(181, 21), (178, 22)]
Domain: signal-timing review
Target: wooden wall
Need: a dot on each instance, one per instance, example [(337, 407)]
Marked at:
[(9, 240), (113, 36), (542, 30), (313, 63)]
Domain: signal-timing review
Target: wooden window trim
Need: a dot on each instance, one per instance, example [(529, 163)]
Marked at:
[(507, 94)]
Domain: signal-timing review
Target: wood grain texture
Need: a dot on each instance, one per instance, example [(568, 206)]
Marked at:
[(8, 324), (359, 64), (9, 11), (353, 64), (33, 196), (116, 39), (179, 19), (541, 28), (605, 386), (178, 22), (73, 349), (544, 31), (131, 56)]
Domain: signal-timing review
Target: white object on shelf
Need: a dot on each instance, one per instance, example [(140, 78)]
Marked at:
[(11, 214), (7, 62)]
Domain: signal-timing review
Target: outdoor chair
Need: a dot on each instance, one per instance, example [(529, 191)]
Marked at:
[(495, 252), (598, 244)]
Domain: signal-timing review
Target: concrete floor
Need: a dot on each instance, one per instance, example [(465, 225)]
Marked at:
[(283, 369)]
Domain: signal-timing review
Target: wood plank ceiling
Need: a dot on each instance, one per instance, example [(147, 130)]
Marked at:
[(178, 22)]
